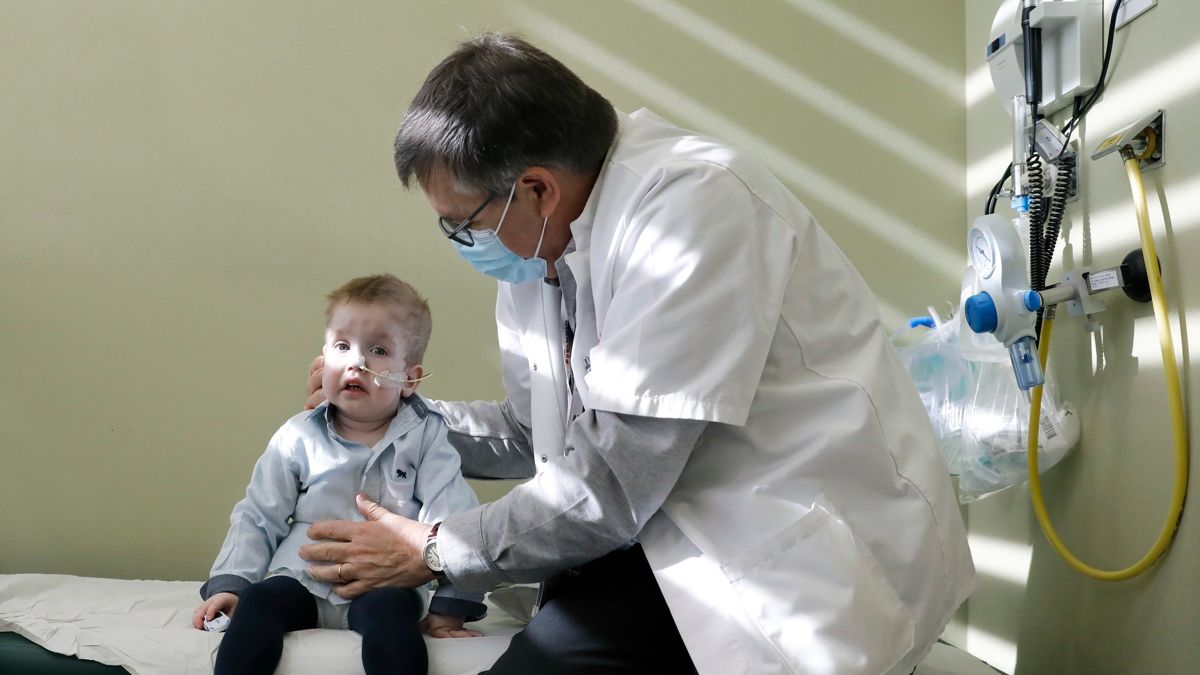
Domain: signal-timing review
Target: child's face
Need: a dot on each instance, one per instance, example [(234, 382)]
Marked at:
[(371, 332)]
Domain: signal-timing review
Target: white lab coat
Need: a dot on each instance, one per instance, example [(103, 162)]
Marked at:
[(814, 529)]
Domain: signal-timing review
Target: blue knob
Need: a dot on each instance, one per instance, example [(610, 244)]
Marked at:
[(981, 313), (1020, 204), (1033, 301)]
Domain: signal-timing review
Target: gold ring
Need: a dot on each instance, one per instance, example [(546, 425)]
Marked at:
[(339, 571)]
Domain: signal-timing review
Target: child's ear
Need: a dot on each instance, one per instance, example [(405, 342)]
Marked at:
[(412, 376)]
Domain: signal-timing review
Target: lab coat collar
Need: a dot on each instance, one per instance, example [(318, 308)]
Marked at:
[(581, 227)]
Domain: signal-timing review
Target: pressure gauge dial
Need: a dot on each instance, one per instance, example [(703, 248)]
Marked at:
[(982, 252)]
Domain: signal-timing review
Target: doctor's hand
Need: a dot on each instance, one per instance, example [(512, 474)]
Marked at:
[(382, 552), (315, 396)]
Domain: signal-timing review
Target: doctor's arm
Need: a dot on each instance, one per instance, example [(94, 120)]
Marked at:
[(618, 473), (594, 500), (490, 439)]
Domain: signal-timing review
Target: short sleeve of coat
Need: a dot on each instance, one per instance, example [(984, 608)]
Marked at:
[(698, 268)]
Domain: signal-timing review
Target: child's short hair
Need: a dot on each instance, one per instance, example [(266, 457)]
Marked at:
[(406, 305)]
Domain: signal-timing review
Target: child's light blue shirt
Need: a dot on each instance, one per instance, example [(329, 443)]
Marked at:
[(309, 473)]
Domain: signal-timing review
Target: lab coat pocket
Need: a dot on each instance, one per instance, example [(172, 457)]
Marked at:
[(818, 595)]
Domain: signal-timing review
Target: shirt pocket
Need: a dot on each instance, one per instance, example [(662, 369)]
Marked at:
[(819, 596), (399, 481)]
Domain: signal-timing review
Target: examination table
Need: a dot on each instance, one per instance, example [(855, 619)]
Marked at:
[(68, 625)]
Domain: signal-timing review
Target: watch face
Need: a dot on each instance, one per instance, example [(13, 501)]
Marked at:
[(981, 253), (432, 559)]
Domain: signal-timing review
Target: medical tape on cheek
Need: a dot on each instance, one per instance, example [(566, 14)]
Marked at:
[(384, 379)]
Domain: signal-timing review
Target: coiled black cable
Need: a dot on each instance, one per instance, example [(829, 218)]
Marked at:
[(1049, 240), (1037, 216)]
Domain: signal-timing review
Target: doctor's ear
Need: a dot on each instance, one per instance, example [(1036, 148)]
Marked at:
[(543, 189)]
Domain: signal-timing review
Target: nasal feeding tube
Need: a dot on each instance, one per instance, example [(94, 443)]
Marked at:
[(388, 379)]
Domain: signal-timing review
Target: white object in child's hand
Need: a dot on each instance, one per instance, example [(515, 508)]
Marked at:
[(217, 624)]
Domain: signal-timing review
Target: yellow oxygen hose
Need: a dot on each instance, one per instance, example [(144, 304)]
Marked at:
[(1174, 393)]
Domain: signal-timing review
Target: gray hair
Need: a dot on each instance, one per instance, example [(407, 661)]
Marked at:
[(497, 106)]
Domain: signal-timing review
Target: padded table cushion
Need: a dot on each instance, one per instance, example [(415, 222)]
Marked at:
[(18, 655), (145, 627)]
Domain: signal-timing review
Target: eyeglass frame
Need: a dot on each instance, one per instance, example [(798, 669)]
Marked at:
[(455, 231)]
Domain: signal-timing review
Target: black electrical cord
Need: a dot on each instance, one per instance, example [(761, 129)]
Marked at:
[(1081, 109), (990, 207), (1033, 66)]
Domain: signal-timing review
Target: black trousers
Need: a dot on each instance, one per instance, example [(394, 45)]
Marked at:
[(603, 618), (387, 619)]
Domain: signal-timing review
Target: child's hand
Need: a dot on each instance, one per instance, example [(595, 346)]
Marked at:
[(442, 626), (221, 602)]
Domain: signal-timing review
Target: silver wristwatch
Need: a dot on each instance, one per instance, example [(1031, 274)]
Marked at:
[(429, 553)]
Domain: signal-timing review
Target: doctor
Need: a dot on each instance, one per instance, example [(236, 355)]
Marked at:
[(730, 471)]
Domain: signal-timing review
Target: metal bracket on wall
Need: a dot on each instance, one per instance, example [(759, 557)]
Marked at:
[(1147, 138), (1132, 10)]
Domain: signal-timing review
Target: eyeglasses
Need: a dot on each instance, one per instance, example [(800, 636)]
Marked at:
[(460, 232)]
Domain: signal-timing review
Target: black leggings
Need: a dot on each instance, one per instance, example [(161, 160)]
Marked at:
[(386, 618)]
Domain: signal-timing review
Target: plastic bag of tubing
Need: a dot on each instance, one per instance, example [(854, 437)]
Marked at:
[(979, 415)]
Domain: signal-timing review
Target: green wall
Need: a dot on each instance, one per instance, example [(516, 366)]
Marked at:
[(1032, 614), (182, 182)]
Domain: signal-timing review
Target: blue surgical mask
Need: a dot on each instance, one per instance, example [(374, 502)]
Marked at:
[(490, 256)]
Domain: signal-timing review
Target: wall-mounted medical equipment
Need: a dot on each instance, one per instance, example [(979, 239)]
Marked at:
[(1045, 56), (1047, 52)]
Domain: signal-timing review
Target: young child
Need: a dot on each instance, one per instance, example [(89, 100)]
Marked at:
[(372, 435)]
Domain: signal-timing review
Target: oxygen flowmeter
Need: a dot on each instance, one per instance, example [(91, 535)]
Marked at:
[(1006, 307)]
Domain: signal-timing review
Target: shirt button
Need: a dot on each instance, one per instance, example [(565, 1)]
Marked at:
[(535, 367), (545, 458)]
